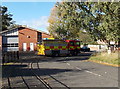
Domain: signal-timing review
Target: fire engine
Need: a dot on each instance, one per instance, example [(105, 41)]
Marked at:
[(55, 47)]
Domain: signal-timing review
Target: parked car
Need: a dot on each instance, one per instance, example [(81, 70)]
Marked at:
[(85, 48)]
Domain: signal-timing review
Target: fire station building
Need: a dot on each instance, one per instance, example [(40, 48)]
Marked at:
[(24, 38)]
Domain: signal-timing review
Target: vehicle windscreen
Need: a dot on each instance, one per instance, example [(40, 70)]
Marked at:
[(75, 43), (71, 43)]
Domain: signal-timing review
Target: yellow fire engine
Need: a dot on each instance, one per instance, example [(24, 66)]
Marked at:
[(54, 47)]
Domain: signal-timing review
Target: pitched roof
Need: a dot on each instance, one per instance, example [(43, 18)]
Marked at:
[(34, 29), (1, 32), (24, 26)]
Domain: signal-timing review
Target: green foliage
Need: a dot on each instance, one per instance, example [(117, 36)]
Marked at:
[(109, 20), (65, 23), (6, 18), (86, 38), (100, 20)]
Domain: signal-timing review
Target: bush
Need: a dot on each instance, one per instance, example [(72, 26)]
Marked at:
[(108, 58)]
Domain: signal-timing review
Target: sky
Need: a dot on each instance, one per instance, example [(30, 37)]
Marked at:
[(32, 14)]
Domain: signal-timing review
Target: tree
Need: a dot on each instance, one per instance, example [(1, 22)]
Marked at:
[(68, 19), (62, 21), (86, 38), (6, 18), (107, 13), (99, 19)]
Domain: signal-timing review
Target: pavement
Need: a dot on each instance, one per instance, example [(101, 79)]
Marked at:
[(59, 72)]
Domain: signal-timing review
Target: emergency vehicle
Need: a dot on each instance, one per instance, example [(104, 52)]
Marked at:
[(54, 47)]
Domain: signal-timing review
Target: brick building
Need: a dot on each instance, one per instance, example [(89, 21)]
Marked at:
[(27, 37)]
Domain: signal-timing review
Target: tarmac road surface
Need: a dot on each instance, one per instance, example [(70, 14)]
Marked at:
[(39, 72)]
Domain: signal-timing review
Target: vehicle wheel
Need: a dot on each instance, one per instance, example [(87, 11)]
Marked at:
[(57, 54), (75, 53), (88, 49), (81, 49), (71, 53)]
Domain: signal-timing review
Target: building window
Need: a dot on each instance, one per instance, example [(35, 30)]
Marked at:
[(39, 37), (28, 36)]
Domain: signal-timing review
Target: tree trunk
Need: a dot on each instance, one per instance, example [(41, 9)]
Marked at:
[(119, 43)]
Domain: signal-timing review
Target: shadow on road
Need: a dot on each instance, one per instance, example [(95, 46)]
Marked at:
[(20, 71), (37, 58), (23, 70)]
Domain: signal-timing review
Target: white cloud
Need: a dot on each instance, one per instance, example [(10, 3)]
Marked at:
[(40, 23)]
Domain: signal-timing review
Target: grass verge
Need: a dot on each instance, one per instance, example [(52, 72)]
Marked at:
[(107, 58)]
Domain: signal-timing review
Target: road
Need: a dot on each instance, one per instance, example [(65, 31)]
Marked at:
[(40, 72)]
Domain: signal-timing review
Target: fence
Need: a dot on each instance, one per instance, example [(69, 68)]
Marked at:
[(10, 56)]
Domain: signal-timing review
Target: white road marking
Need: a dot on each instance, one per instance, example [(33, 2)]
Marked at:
[(92, 73), (78, 68), (87, 71), (68, 64)]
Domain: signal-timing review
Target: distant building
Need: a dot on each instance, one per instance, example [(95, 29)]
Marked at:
[(22, 38), (101, 42)]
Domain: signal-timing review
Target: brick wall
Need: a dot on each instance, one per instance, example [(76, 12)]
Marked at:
[(27, 36), (44, 35)]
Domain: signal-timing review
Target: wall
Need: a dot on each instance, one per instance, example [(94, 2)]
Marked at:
[(44, 35), (28, 36)]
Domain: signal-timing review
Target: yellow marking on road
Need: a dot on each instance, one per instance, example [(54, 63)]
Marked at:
[(84, 61), (100, 62), (7, 63)]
